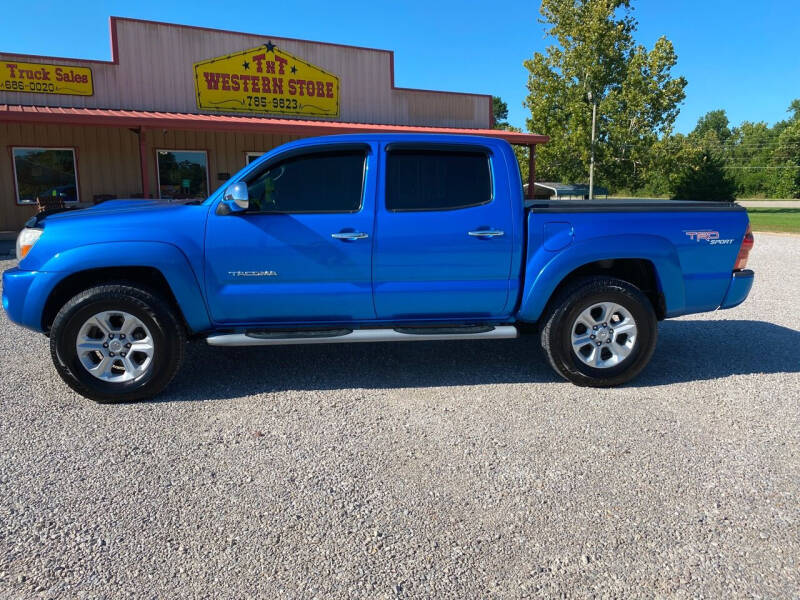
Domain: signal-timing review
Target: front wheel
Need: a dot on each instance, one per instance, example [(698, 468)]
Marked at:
[(599, 332), (117, 343)]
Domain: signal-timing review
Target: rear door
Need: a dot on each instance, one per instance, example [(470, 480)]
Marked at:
[(302, 252), (444, 234)]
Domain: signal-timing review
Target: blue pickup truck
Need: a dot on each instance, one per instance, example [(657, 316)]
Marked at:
[(368, 238)]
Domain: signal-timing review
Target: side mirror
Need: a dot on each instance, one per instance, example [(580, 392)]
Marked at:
[(235, 197)]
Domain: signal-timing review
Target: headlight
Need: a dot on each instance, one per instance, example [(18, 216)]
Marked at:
[(25, 241)]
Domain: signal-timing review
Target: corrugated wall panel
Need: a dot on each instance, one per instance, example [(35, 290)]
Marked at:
[(155, 72), (107, 162)]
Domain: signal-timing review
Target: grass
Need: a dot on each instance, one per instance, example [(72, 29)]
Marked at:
[(775, 219)]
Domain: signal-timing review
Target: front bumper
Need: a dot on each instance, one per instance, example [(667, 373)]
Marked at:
[(24, 295), (739, 288)]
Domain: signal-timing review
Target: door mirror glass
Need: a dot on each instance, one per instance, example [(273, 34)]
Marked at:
[(235, 197)]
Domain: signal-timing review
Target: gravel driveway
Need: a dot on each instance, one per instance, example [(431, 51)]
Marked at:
[(426, 470)]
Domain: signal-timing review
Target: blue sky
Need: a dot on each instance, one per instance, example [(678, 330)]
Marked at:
[(739, 55)]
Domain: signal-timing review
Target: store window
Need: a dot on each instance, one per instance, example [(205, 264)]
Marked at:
[(182, 174), (252, 156), (45, 172)]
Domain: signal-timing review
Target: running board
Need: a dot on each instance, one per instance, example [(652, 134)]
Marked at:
[(342, 336)]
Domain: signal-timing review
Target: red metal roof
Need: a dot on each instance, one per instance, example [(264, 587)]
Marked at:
[(16, 113)]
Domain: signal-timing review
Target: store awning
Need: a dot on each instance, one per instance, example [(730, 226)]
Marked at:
[(165, 120)]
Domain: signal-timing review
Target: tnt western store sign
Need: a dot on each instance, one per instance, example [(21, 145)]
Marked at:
[(266, 80), (178, 109)]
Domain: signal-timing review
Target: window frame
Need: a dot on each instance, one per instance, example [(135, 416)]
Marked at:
[(442, 148), (255, 154), (73, 149), (310, 151), (196, 150)]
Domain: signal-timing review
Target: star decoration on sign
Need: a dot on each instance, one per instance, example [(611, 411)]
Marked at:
[(270, 46), (246, 65), (294, 69)]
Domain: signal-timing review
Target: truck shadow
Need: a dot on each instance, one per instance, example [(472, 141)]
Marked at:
[(687, 351)]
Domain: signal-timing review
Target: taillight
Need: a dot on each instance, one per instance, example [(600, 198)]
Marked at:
[(744, 249)]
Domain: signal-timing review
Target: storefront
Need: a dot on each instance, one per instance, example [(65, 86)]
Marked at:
[(179, 109)]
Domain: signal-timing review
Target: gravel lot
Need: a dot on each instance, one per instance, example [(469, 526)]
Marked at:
[(427, 470)]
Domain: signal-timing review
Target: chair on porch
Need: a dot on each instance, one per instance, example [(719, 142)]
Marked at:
[(49, 202)]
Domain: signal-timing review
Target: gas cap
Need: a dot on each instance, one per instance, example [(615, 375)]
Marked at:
[(557, 235)]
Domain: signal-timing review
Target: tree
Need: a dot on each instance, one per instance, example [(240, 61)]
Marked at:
[(715, 122), (499, 112), (703, 177), (784, 181), (595, 61)]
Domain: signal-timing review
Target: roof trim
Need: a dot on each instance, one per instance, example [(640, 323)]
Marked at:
[(16, 113)]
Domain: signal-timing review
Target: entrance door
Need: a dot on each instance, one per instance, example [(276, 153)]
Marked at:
[(444, 236), (302, 252)]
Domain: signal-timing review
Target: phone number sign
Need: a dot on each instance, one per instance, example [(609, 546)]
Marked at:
[(16, 76), (266, 80)]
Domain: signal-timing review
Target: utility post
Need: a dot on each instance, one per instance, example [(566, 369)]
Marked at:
[(591, 161)]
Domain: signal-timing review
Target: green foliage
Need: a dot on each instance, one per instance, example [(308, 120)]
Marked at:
[(521, 152), (714, 122), (702, 177), (758, 159), (594, 59), (499, 112)]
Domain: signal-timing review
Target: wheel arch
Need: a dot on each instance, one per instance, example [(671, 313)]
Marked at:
[(148, 278), (656, 271), (159, 267), (640, 272)]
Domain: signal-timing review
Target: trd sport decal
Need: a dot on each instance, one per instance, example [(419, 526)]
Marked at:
[(712, 237)]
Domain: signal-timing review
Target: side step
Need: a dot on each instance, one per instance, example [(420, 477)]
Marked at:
[(342, 336)]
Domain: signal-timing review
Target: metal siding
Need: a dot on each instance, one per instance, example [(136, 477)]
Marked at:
[(108, 158), (107, 163), (155, 72)]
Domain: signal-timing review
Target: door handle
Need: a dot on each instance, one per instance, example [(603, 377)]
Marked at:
[(349, 235), (486, 233)]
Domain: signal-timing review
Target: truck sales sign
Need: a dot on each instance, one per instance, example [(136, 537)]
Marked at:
[(266, 79), (16, 76)]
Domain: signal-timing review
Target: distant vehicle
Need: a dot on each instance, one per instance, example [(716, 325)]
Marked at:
[(370, 238), (546, 190)]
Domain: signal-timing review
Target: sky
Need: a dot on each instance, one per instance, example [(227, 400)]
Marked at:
[(738, 55)]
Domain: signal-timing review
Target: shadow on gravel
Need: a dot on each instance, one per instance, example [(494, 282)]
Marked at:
[(698, 350), (687, 351)]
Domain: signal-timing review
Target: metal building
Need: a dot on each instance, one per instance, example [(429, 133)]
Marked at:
[(178, 109)]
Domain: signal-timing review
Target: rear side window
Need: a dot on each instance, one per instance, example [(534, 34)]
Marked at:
[(436, 179), (319, 182)]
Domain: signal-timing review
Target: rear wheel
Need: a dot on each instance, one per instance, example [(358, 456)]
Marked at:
[(599, 332), (117, 343)]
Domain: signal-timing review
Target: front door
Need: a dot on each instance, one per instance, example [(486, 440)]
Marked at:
[(302, 252), (444, 236)]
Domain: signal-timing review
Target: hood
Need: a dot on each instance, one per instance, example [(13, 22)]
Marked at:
[(180, 224), (108, 208)]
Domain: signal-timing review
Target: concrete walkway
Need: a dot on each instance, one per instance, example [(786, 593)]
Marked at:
[(770, 203)]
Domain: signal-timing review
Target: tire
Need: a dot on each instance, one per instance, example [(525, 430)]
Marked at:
[(620, 355), (146, 359)]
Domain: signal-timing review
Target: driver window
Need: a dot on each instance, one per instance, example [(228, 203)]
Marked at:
[(319, 182)]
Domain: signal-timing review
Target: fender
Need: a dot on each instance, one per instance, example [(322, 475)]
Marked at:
[(552, 268), (167, 258)]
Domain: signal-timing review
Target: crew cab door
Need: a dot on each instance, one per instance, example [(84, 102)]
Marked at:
[(444, 234), (302, 252)]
